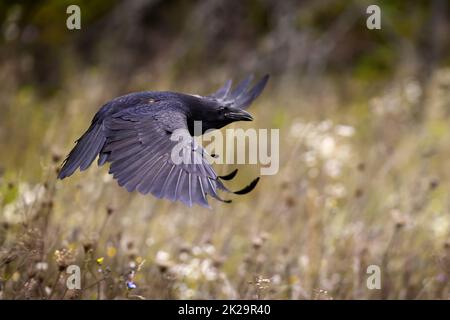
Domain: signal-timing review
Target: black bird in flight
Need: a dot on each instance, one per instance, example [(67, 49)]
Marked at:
[(133, 133)]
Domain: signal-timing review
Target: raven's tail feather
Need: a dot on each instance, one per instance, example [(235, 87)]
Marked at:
[(85, 151)]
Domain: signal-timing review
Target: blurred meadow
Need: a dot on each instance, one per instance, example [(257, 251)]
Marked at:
[(364, 179)]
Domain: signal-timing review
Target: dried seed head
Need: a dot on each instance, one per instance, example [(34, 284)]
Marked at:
[(64, 258), (322, 295), (434, 183), (130, 245), (264, 236), (110, 210), (185, 249), (285, 184), (400, 218), (399, 224), (87, 246), (257, 243), (48, 204), (163, 261), (218, 261), (358, 193), (447, 244), (290, 202), (163, 267), (73, 294), (31, 274), (259, 240), (261, 283), (56, 157), (132, 256), (30, 288)]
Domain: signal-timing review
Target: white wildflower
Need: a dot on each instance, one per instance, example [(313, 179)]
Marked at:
[(344, 131), (162, 256)]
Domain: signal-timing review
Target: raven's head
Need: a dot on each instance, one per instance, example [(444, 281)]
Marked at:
[(215, 116)]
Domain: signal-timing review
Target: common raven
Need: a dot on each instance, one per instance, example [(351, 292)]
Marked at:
[(133, 133)]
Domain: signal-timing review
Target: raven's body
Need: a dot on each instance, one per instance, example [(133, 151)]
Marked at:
[(133, 132)]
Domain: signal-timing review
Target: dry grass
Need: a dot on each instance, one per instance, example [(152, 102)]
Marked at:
[(361, 182)]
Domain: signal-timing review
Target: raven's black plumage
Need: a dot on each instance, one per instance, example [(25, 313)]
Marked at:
[(133, 133)]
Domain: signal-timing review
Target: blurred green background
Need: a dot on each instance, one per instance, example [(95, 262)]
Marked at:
[(365, 142)]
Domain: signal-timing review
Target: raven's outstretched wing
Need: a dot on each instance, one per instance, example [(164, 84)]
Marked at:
[(139, 146), (241, 97)]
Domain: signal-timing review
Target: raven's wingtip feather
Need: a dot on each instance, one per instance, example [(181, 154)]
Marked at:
[(65, 171)]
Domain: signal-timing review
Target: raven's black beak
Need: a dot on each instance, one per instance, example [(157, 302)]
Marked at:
[(238, 115)]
